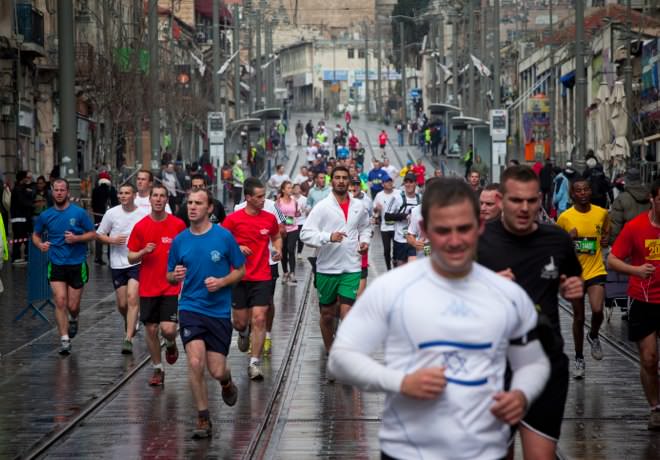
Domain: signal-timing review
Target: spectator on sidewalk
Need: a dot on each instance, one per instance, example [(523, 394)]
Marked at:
[(104, 197), (21, 216)]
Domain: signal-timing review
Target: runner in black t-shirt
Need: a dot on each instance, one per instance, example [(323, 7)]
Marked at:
[(541, 259)]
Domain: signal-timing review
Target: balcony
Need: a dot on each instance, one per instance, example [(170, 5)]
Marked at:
[(30, 24), (85, 59)]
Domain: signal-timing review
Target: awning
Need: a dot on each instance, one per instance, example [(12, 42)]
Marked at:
[(568, 80)]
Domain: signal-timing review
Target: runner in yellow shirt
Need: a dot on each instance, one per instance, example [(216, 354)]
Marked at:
[(588, 224)]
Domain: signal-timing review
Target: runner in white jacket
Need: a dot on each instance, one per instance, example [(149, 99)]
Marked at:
[(339, 227)]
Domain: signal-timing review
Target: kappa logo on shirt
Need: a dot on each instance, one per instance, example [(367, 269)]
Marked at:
[(459, 309), (216, 256), (72, 221), (166, 240), (264, 231), (550, 271)]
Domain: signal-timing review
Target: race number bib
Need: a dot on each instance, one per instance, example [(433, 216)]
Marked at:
[(653, 248), (586, 246)]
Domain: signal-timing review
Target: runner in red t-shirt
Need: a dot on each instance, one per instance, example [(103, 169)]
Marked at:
[(253, 228), (149, 244), (639, 241)]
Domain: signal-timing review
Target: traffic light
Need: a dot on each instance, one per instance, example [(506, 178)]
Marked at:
[(183, 75)]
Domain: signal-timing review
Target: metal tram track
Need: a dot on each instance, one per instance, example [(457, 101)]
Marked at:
[(41, 447), (263, 434)]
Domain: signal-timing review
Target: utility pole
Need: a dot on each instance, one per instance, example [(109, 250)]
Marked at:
[(237, 64), (456, 69), (270, 81), (366, 68), (258, 104), (403, 70), (66, 82), (379, 85), (138, 17), (251, 21), (627, 75), (469, 6), (483, 53), (497, 97), (581, 88), (441, 57), (433, 93), (154, 117), (216, 55), (551, 87)]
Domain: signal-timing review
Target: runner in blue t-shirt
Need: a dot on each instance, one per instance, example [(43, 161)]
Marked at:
[(68, 229), (208, 260), (376, 178)]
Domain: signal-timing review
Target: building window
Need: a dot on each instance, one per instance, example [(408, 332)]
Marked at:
[(361, 54), (351, 53)]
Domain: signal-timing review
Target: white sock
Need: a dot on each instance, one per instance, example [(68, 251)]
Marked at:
[(65, 338), (158, 366), (253, 360), (268, 335)]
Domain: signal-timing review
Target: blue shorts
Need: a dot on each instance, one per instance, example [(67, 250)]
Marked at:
[(215, 332), (120, 276), (402, 251)]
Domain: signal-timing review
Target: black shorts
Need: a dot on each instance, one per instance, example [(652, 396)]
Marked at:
[(364, 273), (120, 276), (599, 280), (643, 319), (247, 294), (154, 310), (215, 332), (275, 274), (75, 276), (547, 412), (401, 251)]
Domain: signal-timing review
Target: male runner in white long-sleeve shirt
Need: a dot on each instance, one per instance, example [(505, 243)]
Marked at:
[(449, 326)]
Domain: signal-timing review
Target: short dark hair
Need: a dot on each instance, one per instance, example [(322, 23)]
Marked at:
[(128, 184), (149, 173), (579, 179), (443, 192), (655, 187), (62, 180), (205, 191), (472, 171), (198, 177), (160, 186), (20, 175), (490, 187), (519, 173), (250, 184), (339, 168)]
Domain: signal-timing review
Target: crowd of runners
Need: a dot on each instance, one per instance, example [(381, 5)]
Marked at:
[(468, 315)]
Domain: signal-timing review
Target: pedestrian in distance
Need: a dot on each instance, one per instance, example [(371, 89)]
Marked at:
[(104, 197), (114, 230), (447, 342), (149, 244), (69, 229), (21, 211), (208, 261)]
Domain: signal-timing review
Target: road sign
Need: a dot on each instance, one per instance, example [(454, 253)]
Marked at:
[(499, 125), (216, 127), (414, 93)]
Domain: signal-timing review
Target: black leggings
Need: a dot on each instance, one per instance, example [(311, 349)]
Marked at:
[(387, 238), (289, 251), (301, 245)]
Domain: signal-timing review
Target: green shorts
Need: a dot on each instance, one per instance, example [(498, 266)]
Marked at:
[(342, 287)]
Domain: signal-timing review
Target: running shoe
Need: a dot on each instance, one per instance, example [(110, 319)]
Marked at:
[(171, 353), (268, 345), (73, 328), (285, 278), (596, 349), (127, 347), (65, 347), (157, 379), (243, 341), (203, 428), (654, 420), (292, 280), (254, 372), (578, 370), (230, 392)]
